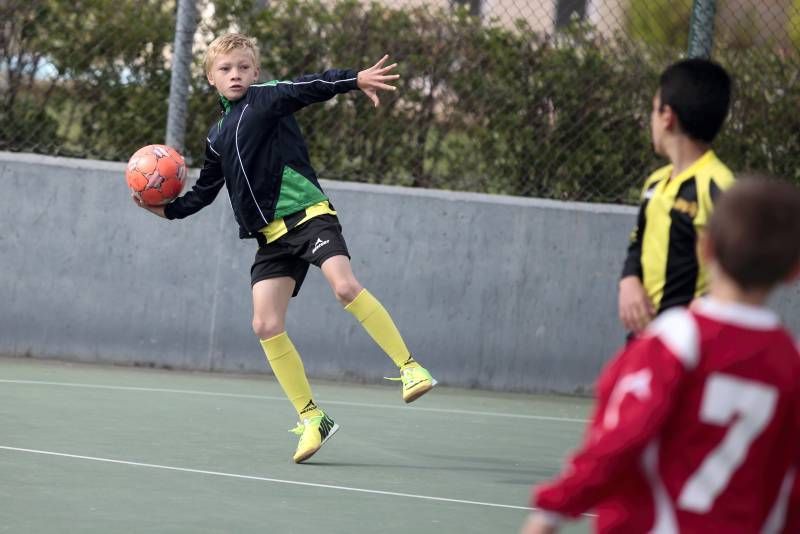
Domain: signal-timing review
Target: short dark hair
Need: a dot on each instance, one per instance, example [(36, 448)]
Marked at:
[(755, 231), (699, 92)]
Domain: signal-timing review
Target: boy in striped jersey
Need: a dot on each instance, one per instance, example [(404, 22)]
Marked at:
[(662, 268)]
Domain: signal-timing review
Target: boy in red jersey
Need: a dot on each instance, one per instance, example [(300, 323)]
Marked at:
[(697, 422)]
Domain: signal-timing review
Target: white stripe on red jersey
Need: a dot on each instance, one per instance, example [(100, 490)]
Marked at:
[(696, 429)]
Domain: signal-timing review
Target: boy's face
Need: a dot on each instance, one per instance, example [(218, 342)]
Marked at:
[(233, 73)]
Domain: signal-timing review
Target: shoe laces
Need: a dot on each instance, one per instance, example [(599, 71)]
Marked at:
[(406, 375), (302, 425)]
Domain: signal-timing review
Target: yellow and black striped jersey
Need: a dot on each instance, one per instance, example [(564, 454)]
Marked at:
[(673, 211)]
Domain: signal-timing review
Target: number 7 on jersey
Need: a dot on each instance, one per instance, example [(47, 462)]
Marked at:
[(747, 406)]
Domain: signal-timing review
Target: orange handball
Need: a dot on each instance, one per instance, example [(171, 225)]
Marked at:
[(156, 174)]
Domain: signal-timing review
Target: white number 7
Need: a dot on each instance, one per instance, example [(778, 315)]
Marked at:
[(748, 407)]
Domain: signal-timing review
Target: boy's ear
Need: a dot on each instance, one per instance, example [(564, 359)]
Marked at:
[(670, 118), (210, 78)]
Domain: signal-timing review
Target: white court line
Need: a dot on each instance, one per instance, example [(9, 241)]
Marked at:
[(273, 398), (266, 479), (275, 480)]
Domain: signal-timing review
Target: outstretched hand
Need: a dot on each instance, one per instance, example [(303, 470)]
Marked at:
[(374, 78)]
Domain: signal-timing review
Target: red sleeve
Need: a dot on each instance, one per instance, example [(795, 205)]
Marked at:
[(792, 524), (635, 395)]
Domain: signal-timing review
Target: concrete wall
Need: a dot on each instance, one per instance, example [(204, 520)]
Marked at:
[(492, 292)]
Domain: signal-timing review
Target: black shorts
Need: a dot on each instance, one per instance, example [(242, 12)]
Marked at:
[(312, 242)]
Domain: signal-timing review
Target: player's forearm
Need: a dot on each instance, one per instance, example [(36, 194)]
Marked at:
[(633, 258), (576, 492), (312, 89), (633, 262), (180, 208), (193, 201), (343, 80), (202, 194)]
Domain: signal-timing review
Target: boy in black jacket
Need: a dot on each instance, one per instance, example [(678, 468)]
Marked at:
[(257, 150)]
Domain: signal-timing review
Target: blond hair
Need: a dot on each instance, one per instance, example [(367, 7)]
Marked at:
[(225, 44)]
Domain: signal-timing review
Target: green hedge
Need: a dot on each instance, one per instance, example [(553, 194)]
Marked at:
[(480, 107)]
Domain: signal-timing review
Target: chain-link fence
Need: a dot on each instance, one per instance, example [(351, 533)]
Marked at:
[(547, 98)]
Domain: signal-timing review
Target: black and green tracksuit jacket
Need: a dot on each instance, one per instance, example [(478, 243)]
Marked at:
[(258, 152)]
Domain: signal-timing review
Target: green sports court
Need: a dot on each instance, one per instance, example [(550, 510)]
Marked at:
[(487, 202), (91, 448)]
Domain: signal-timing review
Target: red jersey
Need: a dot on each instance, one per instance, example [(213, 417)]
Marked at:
[(696, 429)]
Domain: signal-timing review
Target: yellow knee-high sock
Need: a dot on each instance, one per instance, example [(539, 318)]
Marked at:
[(379, 325), (288, 368)]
